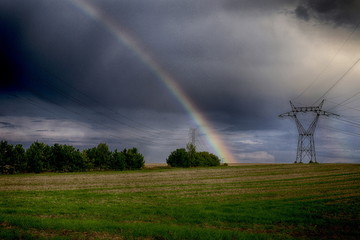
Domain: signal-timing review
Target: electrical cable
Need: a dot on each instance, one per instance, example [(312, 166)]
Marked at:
[(352, 108), (329, 63), (354, 124), (346, 100), (342, 131), (141, 138), (341, 78), (144, 127)]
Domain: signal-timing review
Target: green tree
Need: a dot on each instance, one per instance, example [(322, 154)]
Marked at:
[(178, 158), (6, 152), (118, 160), (66, 158), (88, 162), (133, 159), (38, 156), (78, 160), (12, 158), (19, 159), (103, 156), (57, 160), (100, 156), (90, 155)]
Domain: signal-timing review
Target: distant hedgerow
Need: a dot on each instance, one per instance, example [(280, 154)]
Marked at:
[(40, 157)]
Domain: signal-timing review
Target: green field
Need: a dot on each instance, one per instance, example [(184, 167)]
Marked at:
[(275, 201)]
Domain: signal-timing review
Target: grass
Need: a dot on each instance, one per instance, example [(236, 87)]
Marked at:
[(275, 201)]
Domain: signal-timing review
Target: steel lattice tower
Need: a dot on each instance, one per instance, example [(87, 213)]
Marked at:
[(192, 136), (306, 142)]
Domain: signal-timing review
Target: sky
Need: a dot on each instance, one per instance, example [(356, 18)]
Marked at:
[(140, 73)]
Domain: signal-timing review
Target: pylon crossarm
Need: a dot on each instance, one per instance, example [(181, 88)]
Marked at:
[(328, 114), (288, 114), (306, 141), (309, 109)]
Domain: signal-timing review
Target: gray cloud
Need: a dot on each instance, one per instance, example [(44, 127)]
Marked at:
[(238, 62), (338, 12), (302, 13), (262, 5), (7, 125)]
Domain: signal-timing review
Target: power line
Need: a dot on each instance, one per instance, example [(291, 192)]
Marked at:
[(341, 78), (343, 102), (84, 106), (140, 138), (130, 122), (81, 104), (28, 100), (352, 123), (203, 143), (152, 132), (354, 134), (341, 105), (329, 63)]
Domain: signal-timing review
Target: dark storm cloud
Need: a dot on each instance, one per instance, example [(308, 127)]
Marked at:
[(7, 125), (58, 50), (256, 4), (12, 63), (338, 12), (70, 79), (302, 13), (75, 60)]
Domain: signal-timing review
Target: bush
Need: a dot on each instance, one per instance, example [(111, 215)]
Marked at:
[(182, 158), (178, 158), (205, 159)]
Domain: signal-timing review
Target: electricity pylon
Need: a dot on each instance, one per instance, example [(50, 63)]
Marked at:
[(192, 136), (306, 142)]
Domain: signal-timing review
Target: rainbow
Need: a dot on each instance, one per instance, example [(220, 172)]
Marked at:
[(125, 38)]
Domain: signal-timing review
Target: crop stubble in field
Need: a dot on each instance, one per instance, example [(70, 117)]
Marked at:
[(276, 201)]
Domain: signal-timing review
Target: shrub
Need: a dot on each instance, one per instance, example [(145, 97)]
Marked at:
[(182, 158), (178, 158), (205, 159)]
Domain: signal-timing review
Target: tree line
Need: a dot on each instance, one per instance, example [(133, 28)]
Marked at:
[(189, 157), (40, 157)]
